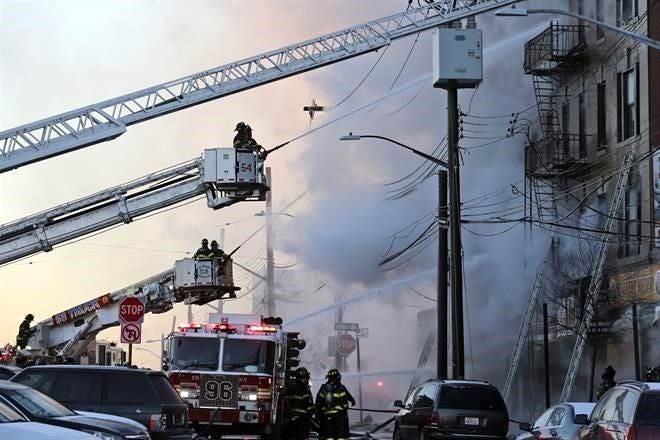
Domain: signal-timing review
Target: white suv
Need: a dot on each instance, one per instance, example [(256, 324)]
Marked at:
[(14, 426)]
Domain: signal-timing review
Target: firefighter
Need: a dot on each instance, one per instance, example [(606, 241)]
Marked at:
[(24, 332), (652, 374), (244, 139), (608, 381), (332, 408), (218, 253), (243, 135), (299, 406), (204, 251)]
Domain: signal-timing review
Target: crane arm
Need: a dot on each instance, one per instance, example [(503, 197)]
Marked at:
[(124, 203), (106, 120)]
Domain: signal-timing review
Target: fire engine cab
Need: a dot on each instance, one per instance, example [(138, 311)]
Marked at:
[(232, 372)]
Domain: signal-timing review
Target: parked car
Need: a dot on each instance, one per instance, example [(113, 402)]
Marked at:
[(557, 422), (37, 407), (16, 427), (630, 410), (145, 396), (456, 409), (7, 371)]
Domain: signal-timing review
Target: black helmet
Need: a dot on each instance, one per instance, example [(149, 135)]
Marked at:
[(333, 374), (29, 317), (205, 242), (240, 126), (302, 373), (214, 243)]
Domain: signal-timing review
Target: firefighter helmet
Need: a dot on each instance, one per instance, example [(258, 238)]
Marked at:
[(205, 242), (29, 317), (214, 243), (240, 126), (302, 373), (333, 374)]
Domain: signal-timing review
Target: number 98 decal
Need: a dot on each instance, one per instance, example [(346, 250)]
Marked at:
[(215, 390)]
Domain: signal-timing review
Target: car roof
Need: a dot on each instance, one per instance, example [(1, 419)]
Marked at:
[(6, 385), (643, 386), (93, 368), (459, 382), (10, 368)]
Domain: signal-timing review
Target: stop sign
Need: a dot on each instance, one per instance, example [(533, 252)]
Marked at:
[(345, 344), (131, 310)]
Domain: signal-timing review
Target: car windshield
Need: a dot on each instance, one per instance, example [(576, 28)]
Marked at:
[(473, 397), (8, 415), (648, 412), (195, 353), (36, 404), (248, 355)]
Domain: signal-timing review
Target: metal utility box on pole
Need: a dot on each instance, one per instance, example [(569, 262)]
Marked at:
[(270, 265), (457, 64)]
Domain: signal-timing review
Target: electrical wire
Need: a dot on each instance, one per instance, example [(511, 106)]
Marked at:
[(363, 79)]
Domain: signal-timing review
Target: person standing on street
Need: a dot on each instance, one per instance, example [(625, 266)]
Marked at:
[(299, 406), (332, 408)]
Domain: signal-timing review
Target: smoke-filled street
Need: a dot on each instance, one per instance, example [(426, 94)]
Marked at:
[(330, 219)]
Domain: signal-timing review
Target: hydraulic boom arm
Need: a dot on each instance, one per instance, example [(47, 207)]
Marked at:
[(106, 120), (202, 176)]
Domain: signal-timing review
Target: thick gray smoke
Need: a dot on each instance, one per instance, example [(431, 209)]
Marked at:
[(344, 233)]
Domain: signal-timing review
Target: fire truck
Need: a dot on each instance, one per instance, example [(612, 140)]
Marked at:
[(233, 371)]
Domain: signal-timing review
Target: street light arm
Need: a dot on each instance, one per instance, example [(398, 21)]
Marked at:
[(640, 38), (417, 152)]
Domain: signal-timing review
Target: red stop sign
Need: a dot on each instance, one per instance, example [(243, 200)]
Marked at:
[(345, 344), (131, 310)]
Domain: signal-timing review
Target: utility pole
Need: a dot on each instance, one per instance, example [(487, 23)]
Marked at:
[(442, 321), (635, 325), (270, 269), (546, 355), (457, 63), (455, 260), (221, 245)]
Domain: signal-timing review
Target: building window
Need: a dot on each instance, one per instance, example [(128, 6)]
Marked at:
[(602, 115), (600, 16), (628, 10), (631, 225), (582, 126), (628, 108)]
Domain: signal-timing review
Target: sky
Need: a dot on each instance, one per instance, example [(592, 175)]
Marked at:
[(62, 55)]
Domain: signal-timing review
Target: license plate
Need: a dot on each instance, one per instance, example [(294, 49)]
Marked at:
[(472, 421)]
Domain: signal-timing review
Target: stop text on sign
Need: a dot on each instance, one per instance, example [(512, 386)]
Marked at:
[(131, 310)]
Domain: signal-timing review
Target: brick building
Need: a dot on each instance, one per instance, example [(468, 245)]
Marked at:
[(598, 97)]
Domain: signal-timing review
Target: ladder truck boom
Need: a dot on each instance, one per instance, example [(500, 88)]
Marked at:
[(191, 281), (70, 331), (109, 119), (224, 175)]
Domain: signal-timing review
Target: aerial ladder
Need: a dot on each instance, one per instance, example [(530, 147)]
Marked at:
[(525, 325), (109, 119), (68, 333), (224, 175), (596, 280)]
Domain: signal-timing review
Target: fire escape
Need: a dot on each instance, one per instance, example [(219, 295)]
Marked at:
[(552, 57)]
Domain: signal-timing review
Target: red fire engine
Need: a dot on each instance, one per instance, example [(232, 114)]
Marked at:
[(232, 372)]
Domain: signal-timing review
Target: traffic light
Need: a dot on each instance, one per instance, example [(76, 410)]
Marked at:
[(293, 346), (272, 320)]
